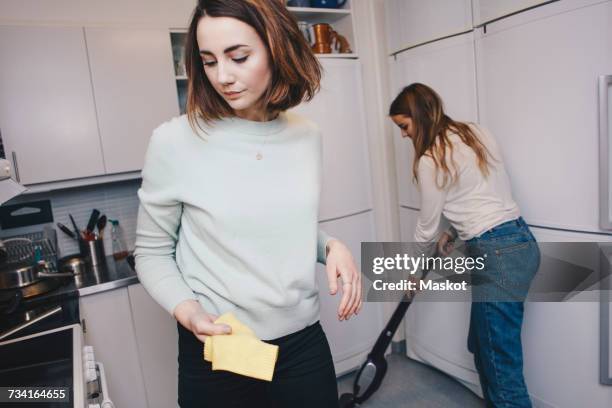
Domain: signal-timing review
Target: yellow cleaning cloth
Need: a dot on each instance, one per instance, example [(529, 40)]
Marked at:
[(237, 328), (240, 352)]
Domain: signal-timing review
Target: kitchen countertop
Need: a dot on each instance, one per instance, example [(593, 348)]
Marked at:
[(113, 275)]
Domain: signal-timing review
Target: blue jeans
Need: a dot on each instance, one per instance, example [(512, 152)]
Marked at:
[(512, 258)]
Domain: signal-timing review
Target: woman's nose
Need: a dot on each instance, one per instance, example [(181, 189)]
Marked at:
[(224, 74)]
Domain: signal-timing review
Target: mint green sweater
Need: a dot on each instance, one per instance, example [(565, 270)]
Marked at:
[(238, 234)]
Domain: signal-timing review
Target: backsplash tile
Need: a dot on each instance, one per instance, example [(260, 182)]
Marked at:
[(118, 201)]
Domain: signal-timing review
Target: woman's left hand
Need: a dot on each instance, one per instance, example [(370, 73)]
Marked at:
[(340, 263)]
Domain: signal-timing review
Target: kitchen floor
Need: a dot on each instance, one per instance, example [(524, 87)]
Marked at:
[(409, 383)]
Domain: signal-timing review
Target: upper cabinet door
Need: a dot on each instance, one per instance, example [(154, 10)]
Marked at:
[(133, 79), (429, 64), (47, 113), (487, 10), (538, 94), (338, 109), (413, 22)]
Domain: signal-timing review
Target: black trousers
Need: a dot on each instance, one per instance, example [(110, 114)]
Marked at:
[(304, 376)]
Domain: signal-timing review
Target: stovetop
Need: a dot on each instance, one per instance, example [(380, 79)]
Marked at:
[(113, 274), (64, 295)]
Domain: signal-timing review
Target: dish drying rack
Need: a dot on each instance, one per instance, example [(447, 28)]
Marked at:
[(35, 246)]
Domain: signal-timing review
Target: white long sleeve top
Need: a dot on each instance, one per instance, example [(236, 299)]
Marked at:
[(474, 203)]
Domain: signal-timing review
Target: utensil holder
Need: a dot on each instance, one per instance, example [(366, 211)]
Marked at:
[(93, 251)]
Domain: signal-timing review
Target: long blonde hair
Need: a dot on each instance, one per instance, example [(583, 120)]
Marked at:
[(432, 126)]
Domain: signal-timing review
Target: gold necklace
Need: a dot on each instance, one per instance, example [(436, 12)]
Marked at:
[(259, 154)]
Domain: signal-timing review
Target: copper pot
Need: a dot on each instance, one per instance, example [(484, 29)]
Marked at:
[(325, 37)]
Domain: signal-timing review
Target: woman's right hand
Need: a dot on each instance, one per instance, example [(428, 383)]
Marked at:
[(446, 244), (192, 316)]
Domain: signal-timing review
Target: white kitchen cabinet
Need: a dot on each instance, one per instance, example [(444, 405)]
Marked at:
[(47, 112), (537, 85), (413, 22), (339, 111), (487, 10), (133, 80), (448, 67), (157, 343), (109, 329), (351, 340)]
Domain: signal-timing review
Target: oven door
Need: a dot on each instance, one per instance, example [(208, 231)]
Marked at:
[(52, 358)]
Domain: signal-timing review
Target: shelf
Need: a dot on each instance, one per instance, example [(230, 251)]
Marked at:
[(309, 13), (325, 56)]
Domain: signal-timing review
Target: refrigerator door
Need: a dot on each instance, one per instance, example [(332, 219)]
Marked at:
[(537, 93), (556, 335), (448, 67), (561, 340), (436, 332)]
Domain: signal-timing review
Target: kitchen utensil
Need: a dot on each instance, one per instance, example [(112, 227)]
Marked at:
[(101, 224), (325, 37), (74, 264), (93, 218), (21, 274), (66, 230), (76, 229), (327, 3), (93, 251), (18, 249), (322, 38), (305, 29)]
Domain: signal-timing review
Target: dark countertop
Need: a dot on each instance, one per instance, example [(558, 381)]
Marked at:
[(113, 275)]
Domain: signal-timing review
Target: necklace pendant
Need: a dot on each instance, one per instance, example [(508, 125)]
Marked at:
[(259, 156)]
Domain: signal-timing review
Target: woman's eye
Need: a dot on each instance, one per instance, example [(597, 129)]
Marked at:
[(209, 63), (240, 60)]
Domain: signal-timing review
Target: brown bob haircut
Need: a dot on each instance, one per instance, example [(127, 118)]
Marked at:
[(296, 72)]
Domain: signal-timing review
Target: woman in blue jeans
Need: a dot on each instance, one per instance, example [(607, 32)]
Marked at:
[(460, 174)]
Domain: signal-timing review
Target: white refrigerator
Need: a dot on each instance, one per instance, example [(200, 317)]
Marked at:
[(536, 75)]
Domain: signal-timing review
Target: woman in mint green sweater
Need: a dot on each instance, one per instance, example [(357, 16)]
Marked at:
[(229, 205)]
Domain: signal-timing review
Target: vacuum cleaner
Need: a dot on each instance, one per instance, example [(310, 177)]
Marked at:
[(373, 370)]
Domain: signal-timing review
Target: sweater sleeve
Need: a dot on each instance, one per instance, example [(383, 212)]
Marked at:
[(322, 240), (157, 228), (432, 204)]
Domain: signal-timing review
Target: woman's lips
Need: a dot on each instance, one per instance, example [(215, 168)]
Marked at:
[(232, 95)]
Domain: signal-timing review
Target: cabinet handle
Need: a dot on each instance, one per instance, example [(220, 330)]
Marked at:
[(605, 159), (16, 167), (605, 368)]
